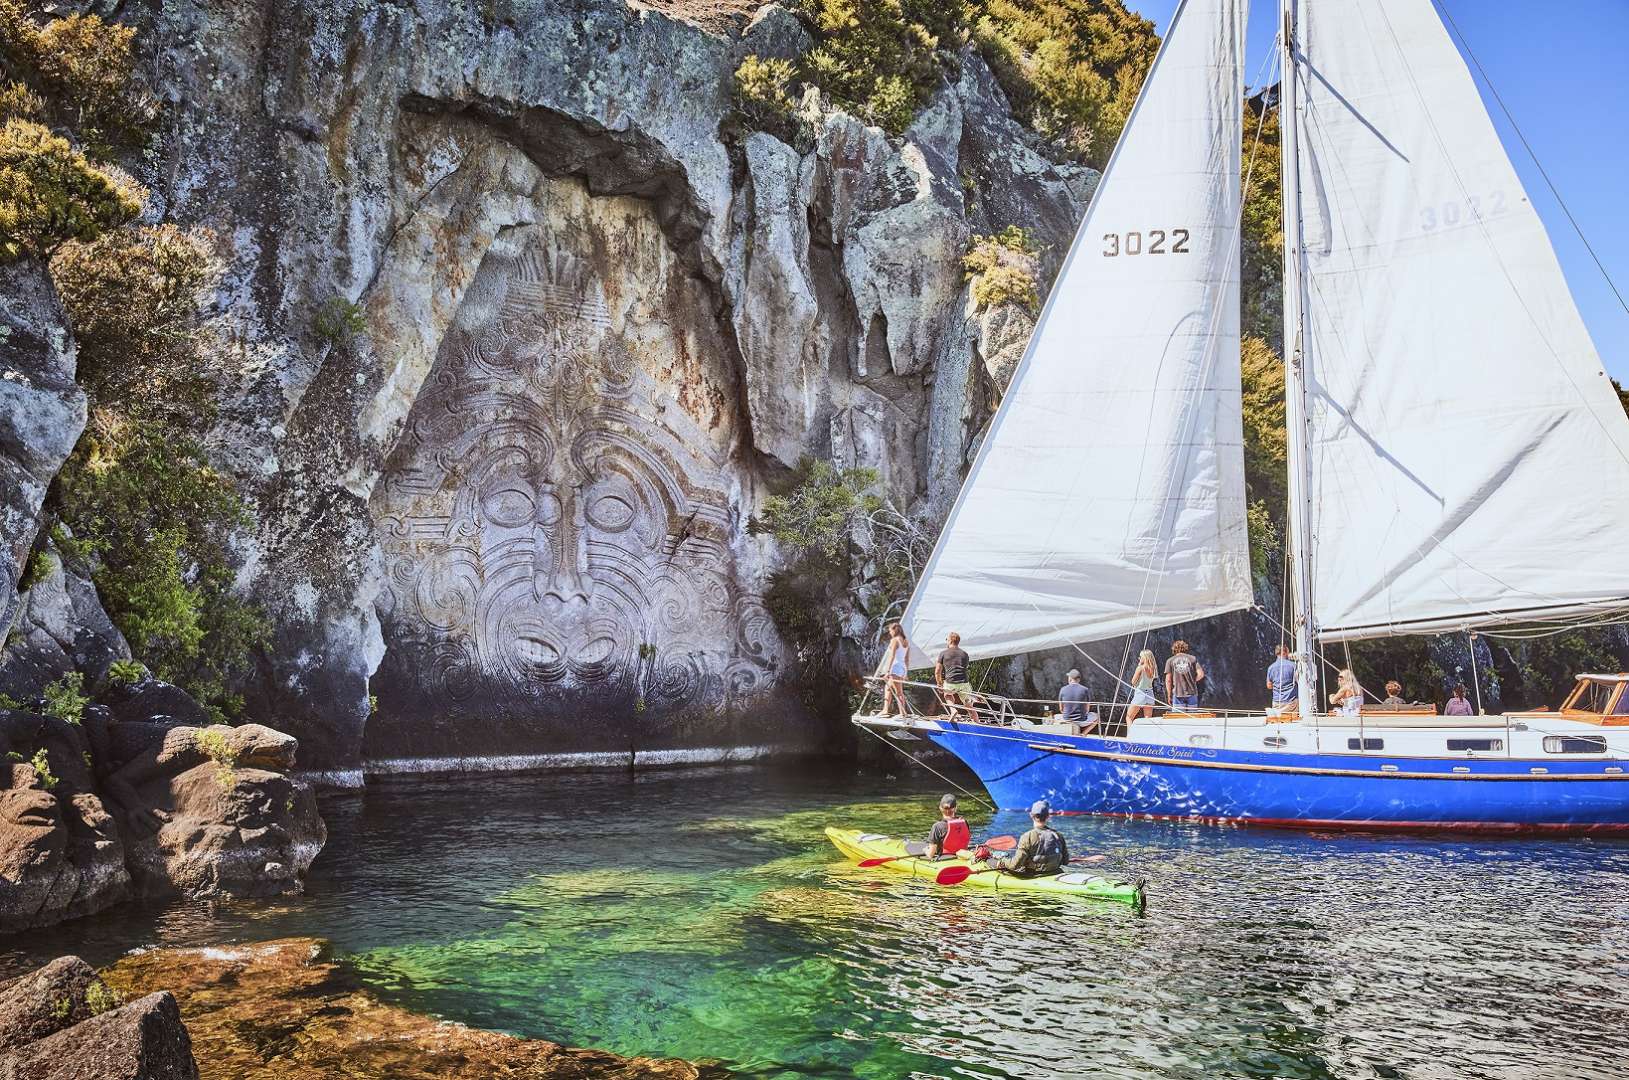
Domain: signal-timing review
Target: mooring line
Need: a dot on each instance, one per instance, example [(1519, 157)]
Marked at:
[(895, 746)]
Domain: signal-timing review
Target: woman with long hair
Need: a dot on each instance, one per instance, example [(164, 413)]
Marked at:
[(1142, 687), (1348, 697), (893, 670)]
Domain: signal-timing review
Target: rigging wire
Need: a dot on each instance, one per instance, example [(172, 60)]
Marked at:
[(1465, 44), (971, 795)]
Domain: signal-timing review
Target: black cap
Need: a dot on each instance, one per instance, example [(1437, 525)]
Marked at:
[(948, 802)]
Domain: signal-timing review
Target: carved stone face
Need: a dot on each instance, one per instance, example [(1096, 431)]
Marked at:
[(552, 520)]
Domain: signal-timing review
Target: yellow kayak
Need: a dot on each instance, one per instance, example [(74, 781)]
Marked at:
[(859, 846)]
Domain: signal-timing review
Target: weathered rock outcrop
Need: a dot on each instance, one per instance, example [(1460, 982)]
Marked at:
[(42, 412), (280, 1009), (93, 812), (62, 1022), (61, 852), (59, 627), (600, 324)]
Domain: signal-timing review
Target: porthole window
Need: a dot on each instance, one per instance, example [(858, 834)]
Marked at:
[(1476, 744), (1365, 744), (1575, 744), (1199, 740), (1275, 742)]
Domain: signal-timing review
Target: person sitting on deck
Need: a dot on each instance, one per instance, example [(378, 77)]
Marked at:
[(950, 673), (950, 833), (1072, 701), (1457, 705), (1394, 694), (1183, 673), (1042, 850), (1281, 677), (1348, 697)]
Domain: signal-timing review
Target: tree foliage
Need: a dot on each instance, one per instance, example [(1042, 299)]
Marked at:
[(1002, 269), (1071, 68), (819, 512), (881, 59), (1262, 242), (51, 193), (83, 69)]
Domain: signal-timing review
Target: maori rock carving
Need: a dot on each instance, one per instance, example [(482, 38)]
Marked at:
[(556, 527)]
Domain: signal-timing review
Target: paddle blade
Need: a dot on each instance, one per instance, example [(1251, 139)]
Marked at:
[(1001, 843), (954, 875)]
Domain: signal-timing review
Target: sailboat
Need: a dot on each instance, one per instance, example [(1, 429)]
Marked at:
[(1458, 459)]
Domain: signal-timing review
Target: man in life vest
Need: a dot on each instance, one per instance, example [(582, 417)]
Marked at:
[(1042, 850), (950, 833)]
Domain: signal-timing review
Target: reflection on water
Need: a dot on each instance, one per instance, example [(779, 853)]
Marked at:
[(702, 915)]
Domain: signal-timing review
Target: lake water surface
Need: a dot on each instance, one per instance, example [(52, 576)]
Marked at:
[(701, 914)]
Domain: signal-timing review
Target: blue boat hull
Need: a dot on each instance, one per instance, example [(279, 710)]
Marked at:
[(1086, 775)]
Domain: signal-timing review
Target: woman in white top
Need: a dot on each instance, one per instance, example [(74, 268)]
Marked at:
[(1142, 686), (1348, 698), (893, 670)]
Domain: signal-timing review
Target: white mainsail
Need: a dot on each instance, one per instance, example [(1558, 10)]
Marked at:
[(1469, 460), (1108, 494)]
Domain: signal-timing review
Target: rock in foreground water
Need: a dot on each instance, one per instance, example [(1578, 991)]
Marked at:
[(63, 1023), (280, 1009)]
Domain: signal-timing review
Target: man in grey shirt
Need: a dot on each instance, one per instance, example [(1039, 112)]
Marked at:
[(1072, 700)]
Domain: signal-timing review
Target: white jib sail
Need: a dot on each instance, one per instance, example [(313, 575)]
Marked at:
[(1108, 494), (1469, 458)]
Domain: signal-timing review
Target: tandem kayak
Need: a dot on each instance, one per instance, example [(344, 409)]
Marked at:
[(860, 846)]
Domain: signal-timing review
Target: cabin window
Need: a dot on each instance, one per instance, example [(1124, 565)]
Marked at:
[(1476, 744), (1365, 744), (1575, 744), (1622, 707), (1275, 742), (1199, 740)]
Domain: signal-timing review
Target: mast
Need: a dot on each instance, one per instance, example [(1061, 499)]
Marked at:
[(1295, 380)]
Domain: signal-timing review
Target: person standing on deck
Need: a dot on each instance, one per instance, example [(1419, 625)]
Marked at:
[(1042, 850), (1182, 675), (1281, 678), (893, 671), (1457, 705), (1142, 687), (950, 673), (1072, 700), (950, 833)]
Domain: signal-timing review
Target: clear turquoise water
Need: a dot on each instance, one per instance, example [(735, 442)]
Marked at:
[(703, 915)]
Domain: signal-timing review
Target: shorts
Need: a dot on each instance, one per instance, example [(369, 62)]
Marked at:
[(1185, 701), (1142, 697), (965, 688)]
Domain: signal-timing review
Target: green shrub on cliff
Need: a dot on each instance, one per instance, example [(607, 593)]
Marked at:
[(65, 699), (821, 508), (1071, 68), (42, 768), (83, 67), (50, 193), (1002, 269), (880, 59), (763, 93), (1261, 282)]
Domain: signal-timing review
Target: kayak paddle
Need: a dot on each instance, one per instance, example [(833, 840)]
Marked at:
[(955, 875), (995, 843)]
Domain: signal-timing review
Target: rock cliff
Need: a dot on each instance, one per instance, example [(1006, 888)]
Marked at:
[(597, 323)]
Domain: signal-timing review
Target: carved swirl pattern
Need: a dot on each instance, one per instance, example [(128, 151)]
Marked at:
[(552, 523)]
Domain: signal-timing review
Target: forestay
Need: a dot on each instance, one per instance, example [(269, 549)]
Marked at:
[(1108, 494), (1469, 458)]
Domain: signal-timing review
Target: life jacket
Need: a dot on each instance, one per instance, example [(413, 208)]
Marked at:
[(957, 836)]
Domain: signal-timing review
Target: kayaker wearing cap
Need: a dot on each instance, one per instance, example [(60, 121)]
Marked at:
[(950, 833), (1040, 851)]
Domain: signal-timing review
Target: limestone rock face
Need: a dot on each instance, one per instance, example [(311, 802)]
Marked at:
[(601, 322), (60, 626), (42, 412)]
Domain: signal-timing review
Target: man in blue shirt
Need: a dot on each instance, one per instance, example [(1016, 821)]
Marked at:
[(1072, 700), (1281, 678)]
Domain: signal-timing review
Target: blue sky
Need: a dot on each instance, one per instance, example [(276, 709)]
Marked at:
[(1561, 71)]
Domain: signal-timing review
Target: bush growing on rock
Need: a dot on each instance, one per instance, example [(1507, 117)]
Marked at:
[(821, 508), (83, 66), (1071, 68), (879, 59), (763, 92), (51, 193), (65, 699), (1002, 270)]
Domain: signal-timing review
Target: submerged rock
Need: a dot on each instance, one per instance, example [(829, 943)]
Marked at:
[(281, 1010)]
